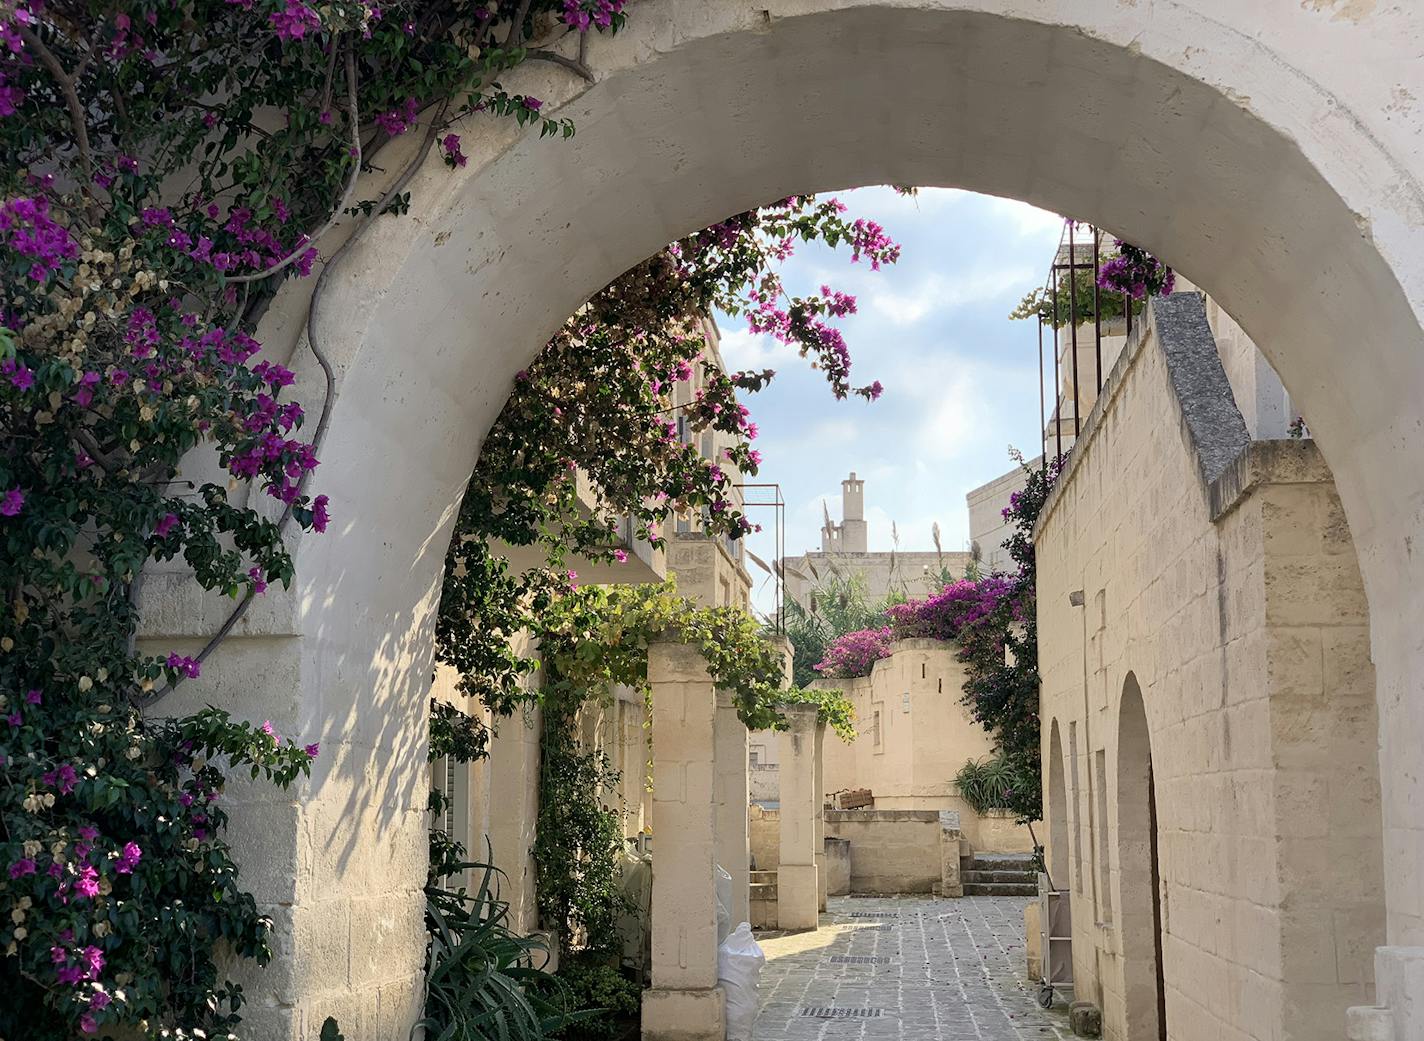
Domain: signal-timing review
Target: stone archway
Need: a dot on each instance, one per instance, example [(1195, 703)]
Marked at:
[(1138, 888), (1268, 174)]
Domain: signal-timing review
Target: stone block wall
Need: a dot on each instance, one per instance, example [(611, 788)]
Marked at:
[(913, 735), (891, 851), (1222, 603)]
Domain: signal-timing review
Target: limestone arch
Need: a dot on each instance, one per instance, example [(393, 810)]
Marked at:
[(1137, 873), (1262, 170), (1056, 810)]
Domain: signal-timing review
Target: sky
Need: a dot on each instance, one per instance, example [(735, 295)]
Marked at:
[(960, 378)]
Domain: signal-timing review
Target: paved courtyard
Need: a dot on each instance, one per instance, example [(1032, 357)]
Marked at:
[(943, 970)]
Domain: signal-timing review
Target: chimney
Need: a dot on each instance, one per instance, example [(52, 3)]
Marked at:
[(854, 536)]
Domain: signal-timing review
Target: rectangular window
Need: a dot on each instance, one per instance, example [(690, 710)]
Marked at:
[(452, 779), (875, 728)]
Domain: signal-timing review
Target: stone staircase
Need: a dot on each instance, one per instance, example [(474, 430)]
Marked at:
[(998, 874)]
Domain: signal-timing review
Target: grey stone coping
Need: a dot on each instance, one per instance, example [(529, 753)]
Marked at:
[(1214, 426)]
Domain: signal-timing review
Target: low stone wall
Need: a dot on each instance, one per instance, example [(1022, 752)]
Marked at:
[(891, 851), (837, 866), (765, 826), (996, 831)]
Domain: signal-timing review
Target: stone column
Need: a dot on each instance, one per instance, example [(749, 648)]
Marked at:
[(950, 882), (797, 891), (684, 1003), (514, 814), (822, 877), (734, 840)]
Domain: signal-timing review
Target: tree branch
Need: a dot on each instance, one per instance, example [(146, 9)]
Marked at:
[(572, 64), (71, 97), (516, 27), (346, 192)]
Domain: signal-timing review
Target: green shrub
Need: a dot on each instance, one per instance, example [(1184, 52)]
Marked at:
[(609, 998)]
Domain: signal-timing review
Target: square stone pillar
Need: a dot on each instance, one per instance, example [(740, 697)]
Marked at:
[(684, 1003), (797, 888), (822, 876), (513, 772), (734, 837), (950, 881)]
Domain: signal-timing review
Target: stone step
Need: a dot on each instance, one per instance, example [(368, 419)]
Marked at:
[(762, 891), (762, 876), (1020, 878), (998, 862), (1000, 889)]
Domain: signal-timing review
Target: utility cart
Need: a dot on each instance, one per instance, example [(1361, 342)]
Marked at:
[(1056, 929)]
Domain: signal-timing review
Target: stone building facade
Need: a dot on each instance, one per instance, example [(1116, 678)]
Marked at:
[(845, 553), (1209, 720), (914, 735)]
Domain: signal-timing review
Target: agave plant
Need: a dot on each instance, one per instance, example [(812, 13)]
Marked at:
[(988, 784), (484, 982)]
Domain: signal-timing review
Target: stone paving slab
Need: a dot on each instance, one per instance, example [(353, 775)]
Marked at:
[(954, 971)]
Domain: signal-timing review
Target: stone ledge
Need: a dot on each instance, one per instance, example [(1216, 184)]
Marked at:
[(873, 816), (1276, 461)]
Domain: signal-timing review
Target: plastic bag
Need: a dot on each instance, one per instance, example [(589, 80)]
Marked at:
[(723, 892), (739, 962)]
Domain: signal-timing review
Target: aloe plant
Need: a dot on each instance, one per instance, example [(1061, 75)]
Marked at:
[(484, 982)]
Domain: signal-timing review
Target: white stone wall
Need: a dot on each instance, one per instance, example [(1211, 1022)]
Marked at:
[(987, 528), (1239, 613), (913, 734)]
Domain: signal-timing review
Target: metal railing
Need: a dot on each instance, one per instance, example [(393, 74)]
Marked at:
[(1072, 239)]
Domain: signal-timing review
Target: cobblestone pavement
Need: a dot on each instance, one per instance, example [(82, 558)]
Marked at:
[(952, 970)]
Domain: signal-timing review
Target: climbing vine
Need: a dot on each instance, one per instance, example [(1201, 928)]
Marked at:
[(593, 639), (168, 166)]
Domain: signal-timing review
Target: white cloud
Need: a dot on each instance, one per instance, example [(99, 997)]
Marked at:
[(1022, 218), (743, 349), (940, 294)]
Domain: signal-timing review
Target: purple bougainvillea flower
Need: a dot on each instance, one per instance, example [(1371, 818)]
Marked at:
[(12, 502)]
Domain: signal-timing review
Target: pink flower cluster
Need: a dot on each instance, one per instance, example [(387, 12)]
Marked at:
[(1135, 272), (870, 240), (27, 228), (946, 614), (451, 145), (856, 653), (11, 96), (583, 14), (398, 120), (294, 21)]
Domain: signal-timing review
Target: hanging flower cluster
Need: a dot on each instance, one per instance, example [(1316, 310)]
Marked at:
[(1136, 273)]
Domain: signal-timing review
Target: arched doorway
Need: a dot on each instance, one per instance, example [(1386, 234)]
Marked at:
[(1246, 168), (1138, 873), (1056, 808)]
